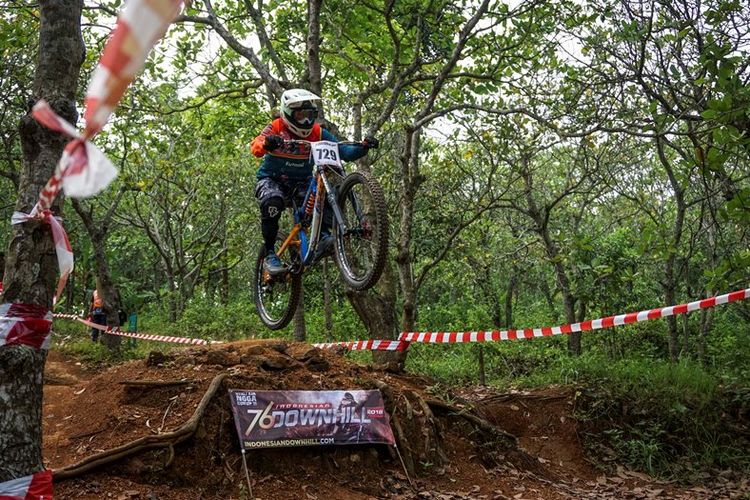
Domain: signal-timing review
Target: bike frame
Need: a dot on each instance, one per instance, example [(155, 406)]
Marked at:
[(320, 188)]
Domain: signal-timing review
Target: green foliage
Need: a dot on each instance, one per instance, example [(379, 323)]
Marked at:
[(540, 179)]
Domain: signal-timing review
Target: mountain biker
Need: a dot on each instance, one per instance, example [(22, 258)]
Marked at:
[(287, 166)]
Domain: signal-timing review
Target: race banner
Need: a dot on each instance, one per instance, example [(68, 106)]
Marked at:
[(272, 419)]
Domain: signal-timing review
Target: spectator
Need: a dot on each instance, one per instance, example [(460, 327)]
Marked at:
[(97, 314)]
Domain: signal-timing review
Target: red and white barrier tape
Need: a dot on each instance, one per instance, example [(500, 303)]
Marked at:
[(144, 336), (25, 324), (37, 486), (597, 324), (366, 345), (59, 237), (478, 336), (83, 169)]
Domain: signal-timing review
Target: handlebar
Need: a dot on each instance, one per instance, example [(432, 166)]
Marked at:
[(340, 143)]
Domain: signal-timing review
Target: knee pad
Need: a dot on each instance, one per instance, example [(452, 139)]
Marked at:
[(272, 207)]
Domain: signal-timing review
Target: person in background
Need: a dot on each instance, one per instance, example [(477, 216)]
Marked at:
[(97, 314)]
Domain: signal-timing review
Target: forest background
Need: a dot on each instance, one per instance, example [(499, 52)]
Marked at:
[(544, 163)]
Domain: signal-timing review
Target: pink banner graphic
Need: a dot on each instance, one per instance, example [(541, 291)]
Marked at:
[(271, 419), (596, 324), (25, 324), (34, 487)]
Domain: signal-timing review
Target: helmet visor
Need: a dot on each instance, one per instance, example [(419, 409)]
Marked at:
[(305, 117)]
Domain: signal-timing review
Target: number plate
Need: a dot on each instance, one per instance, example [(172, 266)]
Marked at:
[(325, 153)]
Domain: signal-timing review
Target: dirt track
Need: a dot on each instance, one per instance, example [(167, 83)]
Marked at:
[(86, 413)]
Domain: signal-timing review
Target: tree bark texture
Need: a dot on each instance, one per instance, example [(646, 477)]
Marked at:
[(298, 322), (671, 280), (378, 313), (31, 266), (553, 253), (98, 232), (411, 180), (327, 310)]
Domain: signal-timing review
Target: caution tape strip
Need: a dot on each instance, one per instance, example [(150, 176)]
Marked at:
[(475, 336), (25, 324), (596, 324), (144, 336), (366, 345)]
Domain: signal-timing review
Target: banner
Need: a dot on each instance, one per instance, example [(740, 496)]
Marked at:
[(271, 419)]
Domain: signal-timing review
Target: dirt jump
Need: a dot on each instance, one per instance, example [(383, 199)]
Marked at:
[(162, 428)]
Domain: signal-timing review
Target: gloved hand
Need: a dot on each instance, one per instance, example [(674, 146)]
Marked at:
[(370, 142), (273, 142)]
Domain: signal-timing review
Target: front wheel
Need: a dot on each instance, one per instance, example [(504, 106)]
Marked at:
[(276, 297), (361, 249)]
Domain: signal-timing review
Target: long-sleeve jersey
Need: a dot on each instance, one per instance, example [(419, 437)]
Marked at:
[(292, 161)]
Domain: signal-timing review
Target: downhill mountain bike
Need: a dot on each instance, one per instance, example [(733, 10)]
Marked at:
[(360, 232)]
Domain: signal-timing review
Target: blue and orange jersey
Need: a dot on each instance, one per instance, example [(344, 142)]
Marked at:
[(292, 161)]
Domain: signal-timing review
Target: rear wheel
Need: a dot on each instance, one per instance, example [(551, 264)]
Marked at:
[(362, 249), (276, 297)]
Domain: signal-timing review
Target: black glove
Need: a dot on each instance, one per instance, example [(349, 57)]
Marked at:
[(273, 142), (370, 142)]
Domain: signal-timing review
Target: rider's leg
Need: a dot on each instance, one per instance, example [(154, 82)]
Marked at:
[(270, 197), (271, 201)]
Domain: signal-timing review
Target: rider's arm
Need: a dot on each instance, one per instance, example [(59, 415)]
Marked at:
[(349, 152), (258, 146)]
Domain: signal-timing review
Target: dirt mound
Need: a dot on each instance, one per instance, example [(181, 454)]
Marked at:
[(477, 444)]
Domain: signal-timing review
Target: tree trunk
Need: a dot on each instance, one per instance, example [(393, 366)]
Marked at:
[(327, 302), (670, 282), (411, 181), (313, 46), (706, 323), (97, 232), (300, 332), (509, 299), (108, 292), (31, 266), (553, 253), (378, 313), (480, 362)]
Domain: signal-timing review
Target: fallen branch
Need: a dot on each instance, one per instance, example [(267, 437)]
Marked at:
[(169, 439)]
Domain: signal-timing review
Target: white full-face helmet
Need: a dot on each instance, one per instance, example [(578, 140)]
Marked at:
[(299, 109)]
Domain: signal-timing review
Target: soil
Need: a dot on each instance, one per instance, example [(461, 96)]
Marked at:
[(90, 411)]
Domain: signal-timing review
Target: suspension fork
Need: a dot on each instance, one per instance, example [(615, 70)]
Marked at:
[(331, 197)]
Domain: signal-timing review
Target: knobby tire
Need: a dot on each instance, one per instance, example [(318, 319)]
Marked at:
[(294, 281), (378, 246)]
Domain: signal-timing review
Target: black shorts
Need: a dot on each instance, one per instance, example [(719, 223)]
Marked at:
[(268, 188)]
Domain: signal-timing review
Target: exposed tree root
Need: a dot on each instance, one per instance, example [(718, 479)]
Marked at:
[(475, 420), (169, 439), (155, 383)]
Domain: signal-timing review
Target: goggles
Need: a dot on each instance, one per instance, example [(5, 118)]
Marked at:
[(305, 116)]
